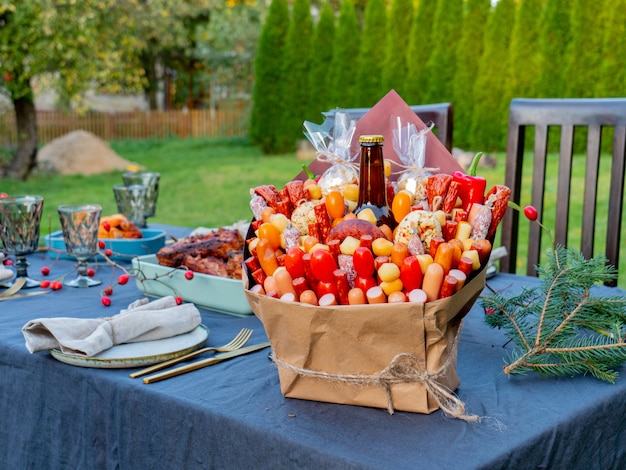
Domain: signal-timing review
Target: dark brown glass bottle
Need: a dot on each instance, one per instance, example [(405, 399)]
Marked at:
[(372, 184)]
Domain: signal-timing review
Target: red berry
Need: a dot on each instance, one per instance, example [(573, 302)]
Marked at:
[(45, 271), (106, 301), (101, 245), (108, 290), (189, 275), (56, 285), (8, 262), (106, 226), (123, 279), (108, 252), (44, 284), (179, 300), (530, 212), (91, 272)]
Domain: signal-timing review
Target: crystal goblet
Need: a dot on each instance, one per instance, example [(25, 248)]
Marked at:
[(20, 218), (80, 231), (149, 179), (131, 201)]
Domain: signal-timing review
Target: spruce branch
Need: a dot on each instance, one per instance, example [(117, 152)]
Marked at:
[(560, 328)]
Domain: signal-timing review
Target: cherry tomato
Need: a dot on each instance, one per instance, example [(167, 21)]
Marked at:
[(401, 206), (363, 260), (335, 205), (294, 263), (531, 213), (271, 233), (323, 265)]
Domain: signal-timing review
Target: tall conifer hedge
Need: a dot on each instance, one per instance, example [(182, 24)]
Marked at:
[(371, 55), (268, 96), (345, 52), (321, 57), (398, 34)]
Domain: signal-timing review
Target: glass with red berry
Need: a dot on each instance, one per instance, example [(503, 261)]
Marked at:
[(80, 231)]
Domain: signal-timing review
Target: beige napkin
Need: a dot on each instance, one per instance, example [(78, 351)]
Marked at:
[(142, 321)]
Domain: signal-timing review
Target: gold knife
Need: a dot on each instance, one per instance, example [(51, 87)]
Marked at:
[(27, 294), (204, 363)]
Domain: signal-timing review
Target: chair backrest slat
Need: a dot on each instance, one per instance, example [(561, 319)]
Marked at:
[(569, 114)]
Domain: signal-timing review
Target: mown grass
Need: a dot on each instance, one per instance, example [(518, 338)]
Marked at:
[(206, 182)]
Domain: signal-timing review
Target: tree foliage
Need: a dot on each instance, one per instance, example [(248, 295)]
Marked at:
[(418, 52), (468, 53), (561, 328), (322, 52), (489, 122), (395, 65), (345, 50), (584, 55), (268, 94), (371, 53), (554, 37), (613, 51), (441, 65)]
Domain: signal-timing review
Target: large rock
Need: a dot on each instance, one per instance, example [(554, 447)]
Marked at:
[(81, 152)]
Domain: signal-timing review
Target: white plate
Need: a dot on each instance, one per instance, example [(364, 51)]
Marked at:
[(139, 354)]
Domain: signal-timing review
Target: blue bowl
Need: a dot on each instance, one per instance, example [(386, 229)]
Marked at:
[(123, 248)]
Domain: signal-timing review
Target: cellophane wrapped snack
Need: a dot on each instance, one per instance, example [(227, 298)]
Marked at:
[(410, 146), (333, 140)]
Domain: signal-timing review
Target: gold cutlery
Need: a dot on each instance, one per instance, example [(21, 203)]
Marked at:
[(236, 343), (17, 285), (28, 294), (204, 363)]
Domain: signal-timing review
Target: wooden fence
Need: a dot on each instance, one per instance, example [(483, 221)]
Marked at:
[(230, 122)]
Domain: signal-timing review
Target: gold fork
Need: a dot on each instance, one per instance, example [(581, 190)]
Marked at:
[(236, 343)]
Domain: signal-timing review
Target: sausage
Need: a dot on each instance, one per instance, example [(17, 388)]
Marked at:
[(443, 256), (356, 296), (346, 262), (415, 246), (448, 287), (300, 285), (375, 295), (284, 281), (258, 289), (266, 256), (252, 264), (436, 189), (308, 297), (434, 244), (466, 265), (396, 297), (481, 222), (327, 300), (355, 228), (323, 219), (460, 277), (292, 237), (498, 199), (259, 276), (433, 279), (451, 195), (324, 288), (449, 229), (418, 295), (398, 253)]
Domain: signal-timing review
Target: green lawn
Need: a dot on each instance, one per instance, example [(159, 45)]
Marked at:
[(206, 182)]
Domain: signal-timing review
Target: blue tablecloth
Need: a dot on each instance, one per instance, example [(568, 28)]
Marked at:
[(233, 415)]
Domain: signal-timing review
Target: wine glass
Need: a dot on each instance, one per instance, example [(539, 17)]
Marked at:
[(20, 218), (80, 224), (149, 179), (131, 201)]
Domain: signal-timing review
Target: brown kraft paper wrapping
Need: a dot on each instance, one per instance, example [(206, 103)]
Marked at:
[(336, 354)]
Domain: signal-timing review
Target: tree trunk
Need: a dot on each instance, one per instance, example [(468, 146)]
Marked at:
[(25, 158)]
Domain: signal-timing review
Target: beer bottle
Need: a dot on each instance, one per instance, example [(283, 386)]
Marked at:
[(372, 184)]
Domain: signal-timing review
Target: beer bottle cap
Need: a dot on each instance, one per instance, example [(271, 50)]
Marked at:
[(371, 138)]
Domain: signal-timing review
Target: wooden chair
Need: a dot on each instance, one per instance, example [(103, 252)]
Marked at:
[(568, 114), (441, 114)]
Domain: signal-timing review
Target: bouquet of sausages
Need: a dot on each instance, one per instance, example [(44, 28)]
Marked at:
[(308, 248)]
